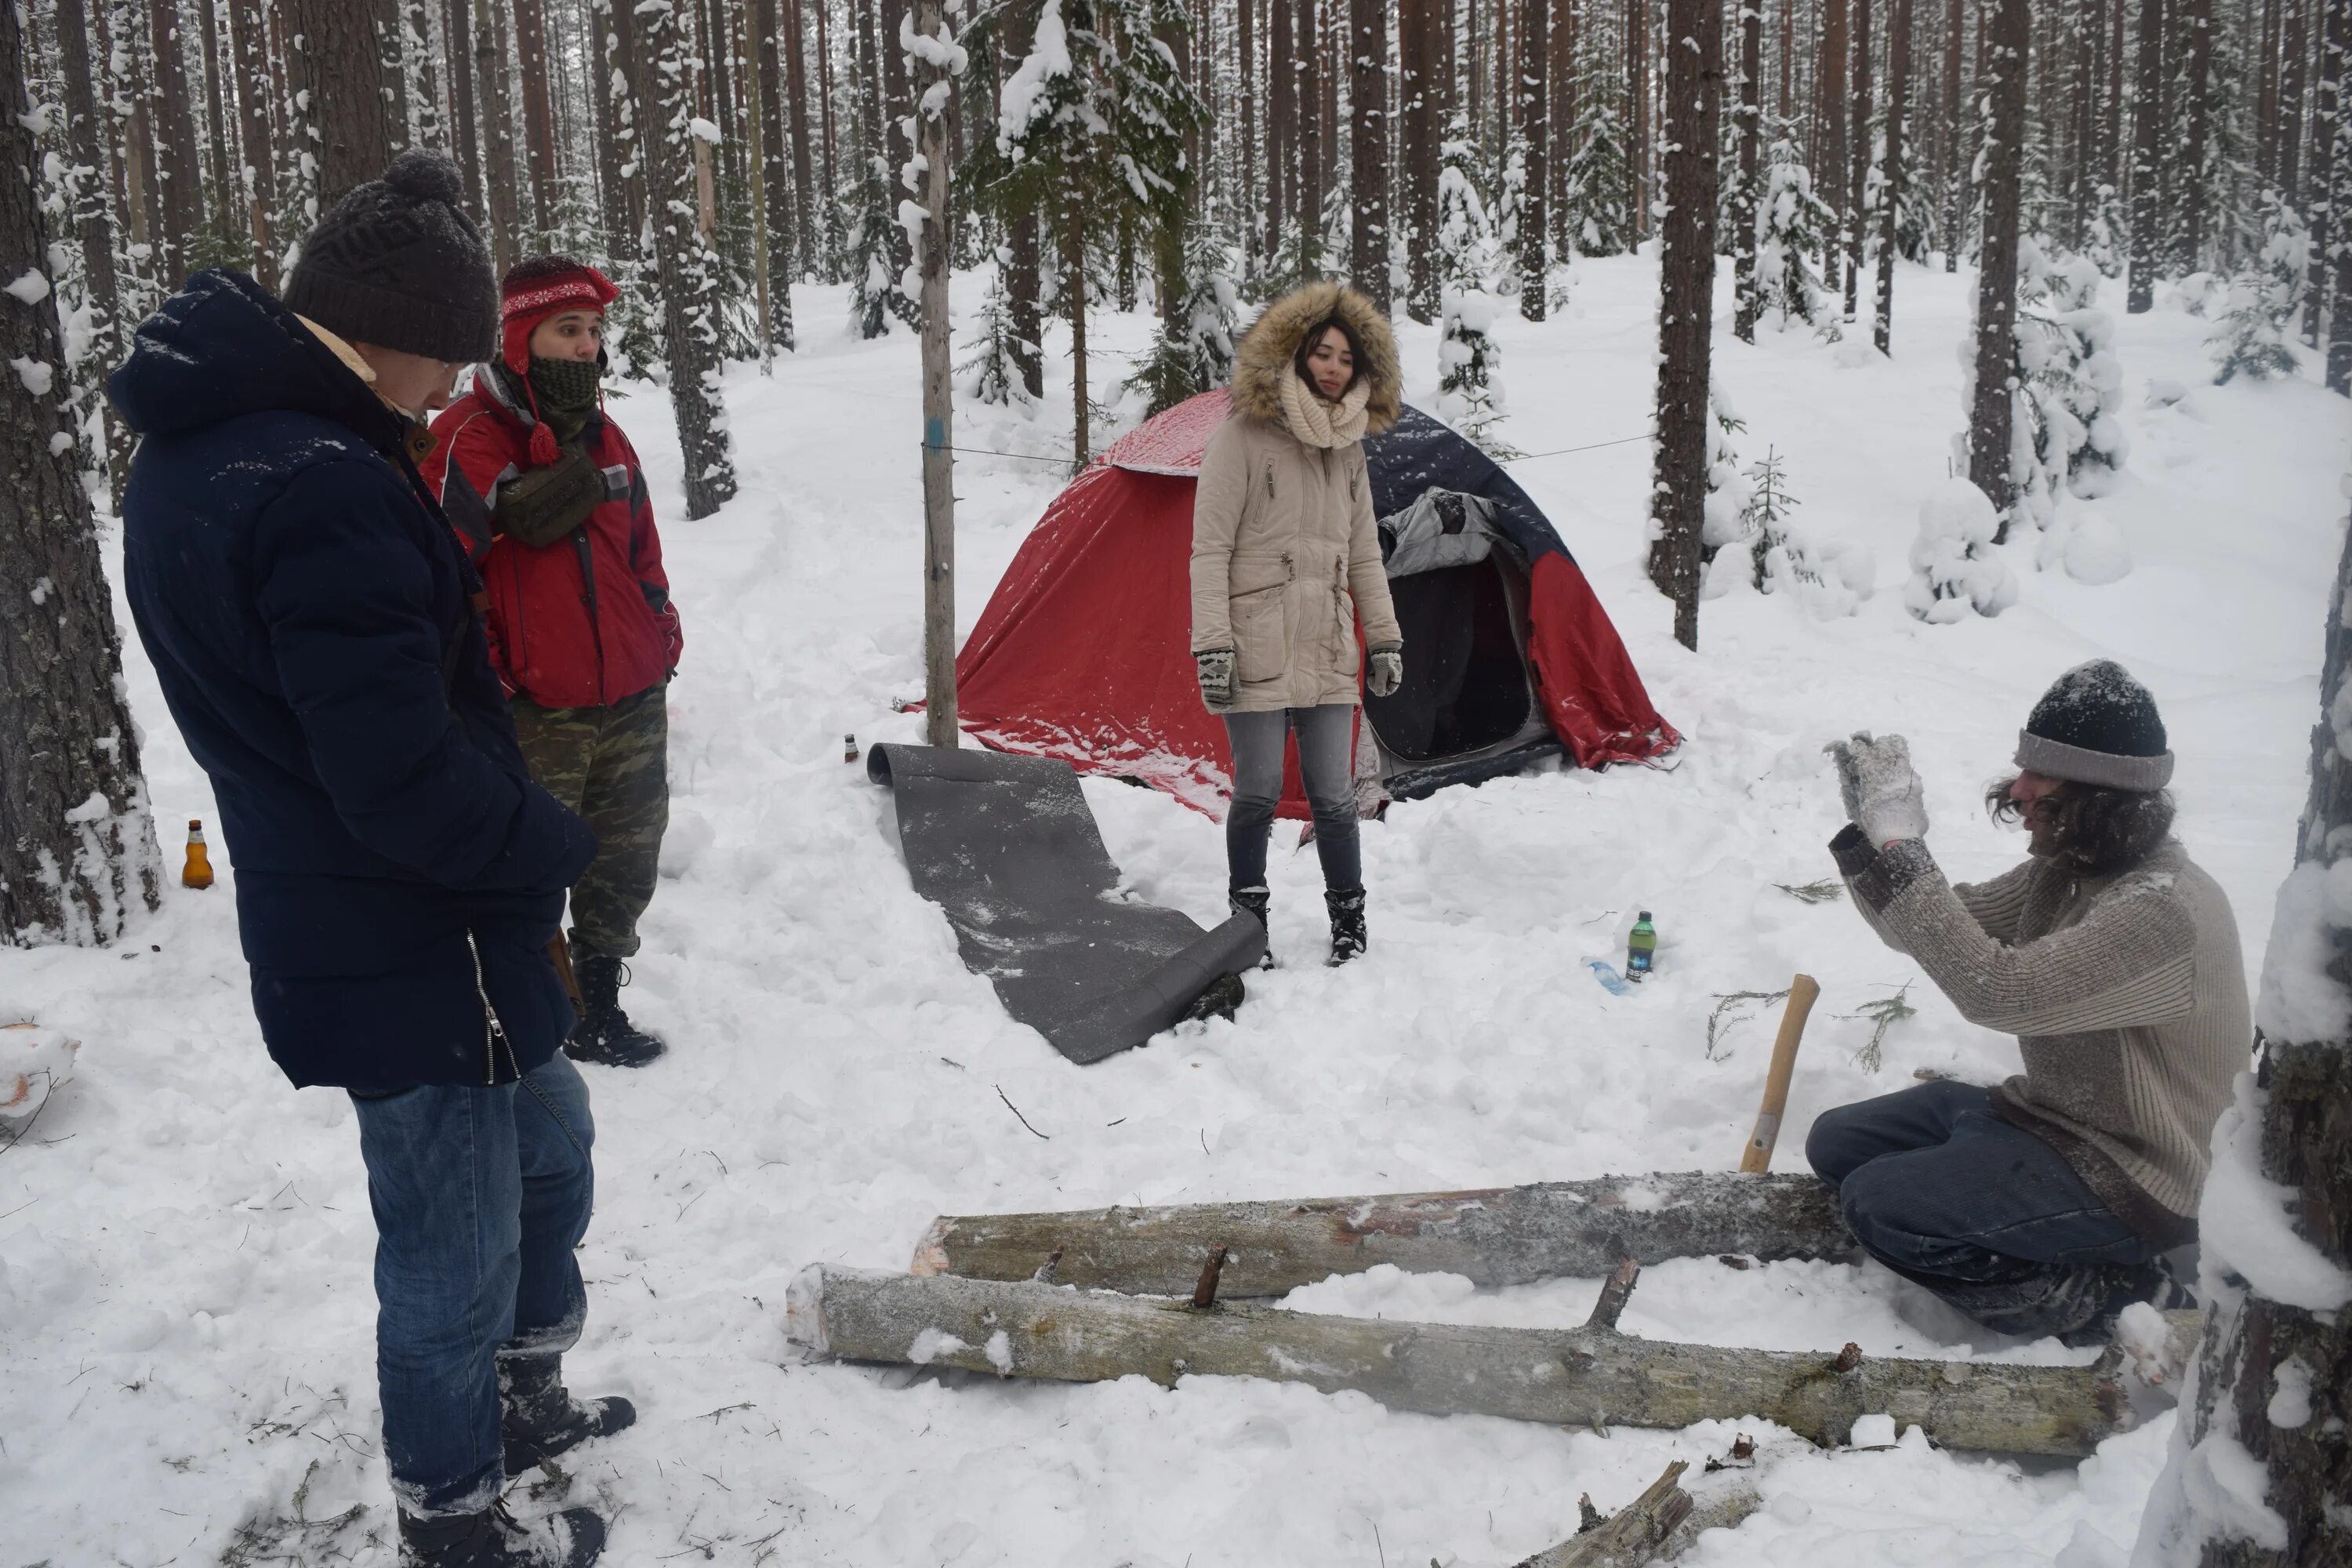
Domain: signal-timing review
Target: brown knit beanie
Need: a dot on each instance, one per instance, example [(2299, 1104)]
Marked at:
[(397, 262)]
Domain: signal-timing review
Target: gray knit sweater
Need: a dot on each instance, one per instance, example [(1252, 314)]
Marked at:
[(2127, 992)]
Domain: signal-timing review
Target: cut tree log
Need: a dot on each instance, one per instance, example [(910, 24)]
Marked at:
[(1571, 1378), (1659, 1526), (1494, 1235)]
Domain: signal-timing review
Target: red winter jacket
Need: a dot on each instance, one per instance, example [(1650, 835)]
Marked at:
[(582, 622)]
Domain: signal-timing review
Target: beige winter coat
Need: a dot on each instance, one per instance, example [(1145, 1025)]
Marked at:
[(1286, 553)]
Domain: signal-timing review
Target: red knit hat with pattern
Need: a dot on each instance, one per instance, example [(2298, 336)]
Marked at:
[(532, 291)]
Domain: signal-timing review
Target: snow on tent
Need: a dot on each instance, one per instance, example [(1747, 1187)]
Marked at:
[(1085, 651)]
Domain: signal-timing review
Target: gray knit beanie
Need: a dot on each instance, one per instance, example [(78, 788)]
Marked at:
[(2096, 725), (397, 262)]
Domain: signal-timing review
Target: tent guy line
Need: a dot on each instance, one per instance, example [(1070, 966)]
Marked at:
[(1522, 457)]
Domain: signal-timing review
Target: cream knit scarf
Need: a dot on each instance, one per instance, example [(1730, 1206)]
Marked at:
[(1319, 423)]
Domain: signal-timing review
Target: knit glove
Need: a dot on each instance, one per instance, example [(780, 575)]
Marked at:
[(1216, 669), (1888, 802), (1387, 671), (1842, 755)]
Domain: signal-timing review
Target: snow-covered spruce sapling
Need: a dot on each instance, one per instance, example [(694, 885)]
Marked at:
[(1956, 570), (2254, 336), (1793, 225), (1596, 179), (1469, 395), (991, 372), (1193, 349), (2064, 436), (1724, 512)]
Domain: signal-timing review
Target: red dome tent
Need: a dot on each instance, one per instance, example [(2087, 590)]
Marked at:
[(1085, 651)]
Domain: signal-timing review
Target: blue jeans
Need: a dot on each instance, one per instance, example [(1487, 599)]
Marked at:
[(1983, 1213), (1326, 737), (481, 1195)]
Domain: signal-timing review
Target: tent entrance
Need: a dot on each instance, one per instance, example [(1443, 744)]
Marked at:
[(1466, 682)]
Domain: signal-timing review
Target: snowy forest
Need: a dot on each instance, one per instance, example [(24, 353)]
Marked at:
[(921, 314)]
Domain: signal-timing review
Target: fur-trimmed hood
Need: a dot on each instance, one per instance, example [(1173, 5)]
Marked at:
[(1271, 345)]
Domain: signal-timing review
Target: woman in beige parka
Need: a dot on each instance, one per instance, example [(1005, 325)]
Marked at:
[(1285, 560)]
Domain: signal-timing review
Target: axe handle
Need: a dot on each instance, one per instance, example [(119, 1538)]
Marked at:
[(559, 953), (1757, 1156)]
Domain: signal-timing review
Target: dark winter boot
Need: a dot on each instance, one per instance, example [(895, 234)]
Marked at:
[(605, 1035), (2123, 1285), (1255, 902), (1348, 937), (496, 1539), (539, 1418)]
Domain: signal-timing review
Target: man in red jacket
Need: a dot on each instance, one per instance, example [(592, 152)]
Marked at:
[(548, 498)]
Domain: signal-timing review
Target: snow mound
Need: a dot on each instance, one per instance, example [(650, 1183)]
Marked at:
[(1954, 569), (2095, 552)]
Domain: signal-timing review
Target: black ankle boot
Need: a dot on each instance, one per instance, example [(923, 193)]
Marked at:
[(538, 1417), (605, 1033), (1348, 937), (496, 1539), (1255, 902)]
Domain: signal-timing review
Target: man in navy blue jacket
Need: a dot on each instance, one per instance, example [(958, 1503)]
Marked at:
[(311, 619)]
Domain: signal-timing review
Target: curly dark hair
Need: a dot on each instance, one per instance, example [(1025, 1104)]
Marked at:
[(2093, 828), (1314, 336)]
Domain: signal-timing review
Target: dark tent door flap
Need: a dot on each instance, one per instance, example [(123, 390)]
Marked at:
[(1465, 680)]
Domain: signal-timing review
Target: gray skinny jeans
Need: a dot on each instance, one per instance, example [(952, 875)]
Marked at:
[(1325, 742)]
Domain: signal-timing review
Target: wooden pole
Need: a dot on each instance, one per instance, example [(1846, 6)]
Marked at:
[(1495, 1237), (1804, 991), (1562, 1378), (933, 71)]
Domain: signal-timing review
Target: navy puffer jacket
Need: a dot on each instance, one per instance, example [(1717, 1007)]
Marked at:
[(311, 618)]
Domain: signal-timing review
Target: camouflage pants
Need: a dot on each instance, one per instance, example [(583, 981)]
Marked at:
[(612, 766)]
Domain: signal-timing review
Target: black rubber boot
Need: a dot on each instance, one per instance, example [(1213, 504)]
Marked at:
[(605, 1035), (1348, 937), (496, 1539), (538, 1417), (1255, 902)]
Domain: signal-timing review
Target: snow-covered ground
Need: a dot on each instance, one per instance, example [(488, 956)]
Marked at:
[(185, 1242)]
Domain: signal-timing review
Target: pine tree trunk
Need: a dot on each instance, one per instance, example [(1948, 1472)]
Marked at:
[(95, 231), (457, 53), (2336, 174), (793, 42), (1307, 192), (221, 200), (1531, 99), (1897, 172), (2147, 152), (1281, 117), (257, 180), (1245, 200), (1990, 420), (491, 66), (2084, 32), (1417, 21), (2266, 97), (432, 128), (1368, 256), (81, 846), (1743, 206), (537, 119), (831, 143), (1073, 237), (620, 231), (1829, 110), (1637, 161), (2324, 177), (775, 170), (1563, 118), (338, 62), (176, 146), (1858, 159), (1955, 173), (1685, 302), (2197, 130), (940, 727), (2257, 1349), (2295, 50), (688, 272)]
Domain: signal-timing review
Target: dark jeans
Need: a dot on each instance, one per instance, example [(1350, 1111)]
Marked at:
[(1983, 1213), (1326, 737), (479, 1195)]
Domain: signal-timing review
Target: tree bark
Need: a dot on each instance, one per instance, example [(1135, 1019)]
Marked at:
[(1368, 257), (1417, 151), (1658, 1526), (258, 179), (1637, 152), (182, 196), (432, 129), (688, 271), (1307, 189), (1743, 205), (2336, 174), (223, 198), (1244, 156), (2255, 1347), (1685, 304), (490, 65), (458, 50), (2266, 96), (1858, 162), (1281, 116), (338, 62), (1829, 110), (1897, 172), (80, 849), (775, 173), (1534, 101), (793, 42), (1073, 237), (2147, 151), (620, 229), (2295, 50), (2328, 192), (2192, 181), (1992, 411), (1493, 1236), (940, 727), (1564, 1377), (1955, 171), (93, 228), (538, 118)]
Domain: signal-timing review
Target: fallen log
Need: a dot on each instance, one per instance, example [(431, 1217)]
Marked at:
[(1628, 1537), (1586, 1376), (1494, 1235)]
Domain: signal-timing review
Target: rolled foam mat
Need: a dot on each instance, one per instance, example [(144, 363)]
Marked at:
[(1005, 845)]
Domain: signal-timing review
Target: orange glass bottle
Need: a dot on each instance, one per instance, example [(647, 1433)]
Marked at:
[(199, 871)]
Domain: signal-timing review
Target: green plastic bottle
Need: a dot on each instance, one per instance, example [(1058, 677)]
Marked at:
[(1640, 947)]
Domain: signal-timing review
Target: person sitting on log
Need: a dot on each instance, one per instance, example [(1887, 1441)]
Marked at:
[(2041, 1206)]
